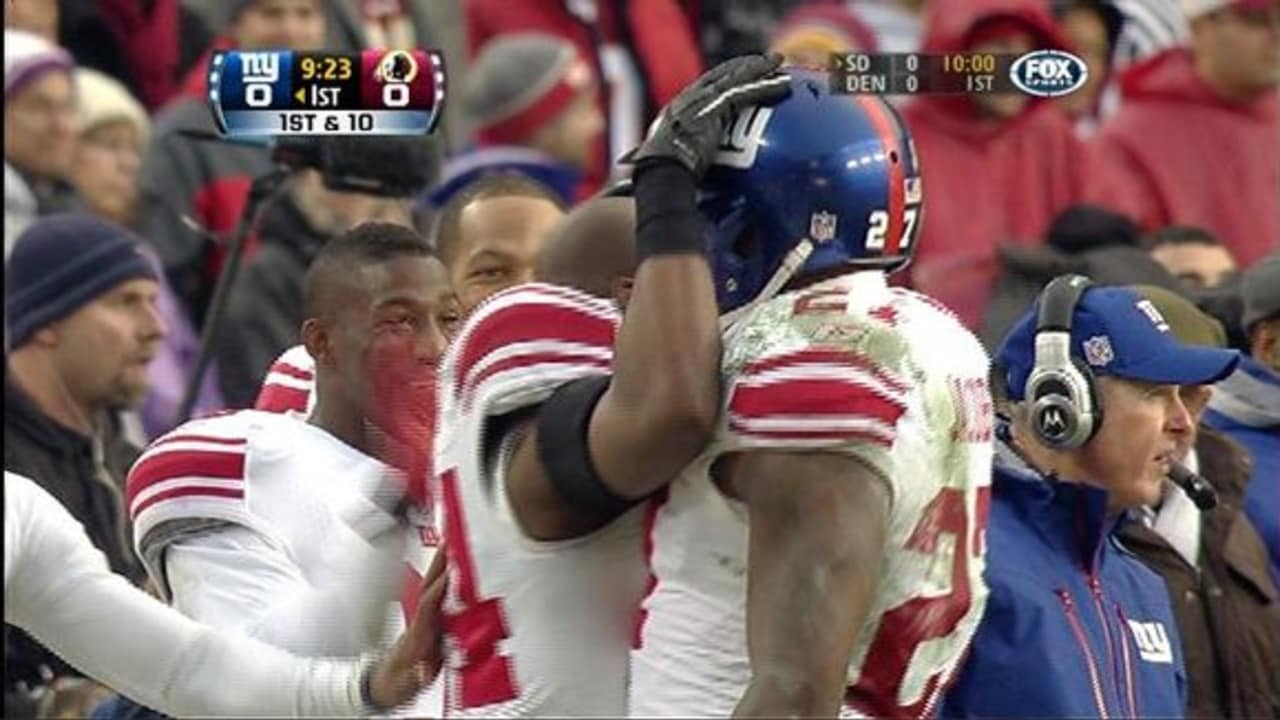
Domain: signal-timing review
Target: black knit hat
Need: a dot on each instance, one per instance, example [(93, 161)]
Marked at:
[(61, 263)]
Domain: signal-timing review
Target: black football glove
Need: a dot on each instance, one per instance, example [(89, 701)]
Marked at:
[(689, 129)]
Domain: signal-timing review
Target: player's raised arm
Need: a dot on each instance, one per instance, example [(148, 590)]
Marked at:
[(817, 542), (606, 442)]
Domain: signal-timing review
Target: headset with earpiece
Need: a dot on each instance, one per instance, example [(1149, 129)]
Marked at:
[(1065, 411)]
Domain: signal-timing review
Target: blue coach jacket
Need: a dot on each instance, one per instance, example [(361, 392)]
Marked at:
[(1075, 626)]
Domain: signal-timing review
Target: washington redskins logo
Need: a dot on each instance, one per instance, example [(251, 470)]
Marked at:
[(397, 66)]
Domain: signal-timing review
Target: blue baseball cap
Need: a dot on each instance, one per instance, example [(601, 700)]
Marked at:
[(1117, 332)]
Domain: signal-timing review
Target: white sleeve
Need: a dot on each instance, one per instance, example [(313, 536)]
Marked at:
[(237, 579), (58, 588)]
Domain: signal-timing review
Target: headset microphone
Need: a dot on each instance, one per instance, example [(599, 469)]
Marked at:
[(1195, 486)]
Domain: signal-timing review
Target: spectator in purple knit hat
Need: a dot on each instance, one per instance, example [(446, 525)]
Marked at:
[(38, 129)]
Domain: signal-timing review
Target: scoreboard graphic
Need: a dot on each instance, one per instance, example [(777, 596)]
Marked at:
[(281, 92), (1044, 73)]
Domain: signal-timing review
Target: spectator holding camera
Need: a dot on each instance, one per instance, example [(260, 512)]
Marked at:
[(195, 190), (1212, 558), (1091, 377)]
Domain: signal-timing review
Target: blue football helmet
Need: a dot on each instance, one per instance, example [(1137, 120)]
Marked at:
[(817, 182)]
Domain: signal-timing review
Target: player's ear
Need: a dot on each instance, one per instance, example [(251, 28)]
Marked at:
[(316, 338)]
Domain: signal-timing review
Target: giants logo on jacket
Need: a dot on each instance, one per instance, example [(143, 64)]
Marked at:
[(1153, 641)]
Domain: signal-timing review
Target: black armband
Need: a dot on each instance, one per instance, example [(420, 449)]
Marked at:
[(563, 422), (667, 221)]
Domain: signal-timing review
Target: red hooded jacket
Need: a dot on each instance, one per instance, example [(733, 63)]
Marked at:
[(985, 183), (1177, 153)]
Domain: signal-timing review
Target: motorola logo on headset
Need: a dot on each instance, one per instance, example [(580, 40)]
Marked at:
[(1049, 73)]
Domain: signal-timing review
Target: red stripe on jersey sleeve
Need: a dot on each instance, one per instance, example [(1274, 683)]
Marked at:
[(188, 491), (192, 437), (530, 321), (158, 467), (825, 356), (802, 433), (281, 398), (293, 371), (818, 397), (529, 360)]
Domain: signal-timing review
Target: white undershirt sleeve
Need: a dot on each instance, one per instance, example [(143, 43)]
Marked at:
[(58, 587)]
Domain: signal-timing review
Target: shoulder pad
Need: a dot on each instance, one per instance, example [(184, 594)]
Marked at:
[(195, 472), (816, 395), (522, 344)]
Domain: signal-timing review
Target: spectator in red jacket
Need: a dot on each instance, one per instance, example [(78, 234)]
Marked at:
[(1194, 140), (996, 168), (641, 53), (1092, 27)]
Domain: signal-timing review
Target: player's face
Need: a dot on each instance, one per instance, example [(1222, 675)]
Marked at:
[(1197, 265), (104, 169), (388, 343), (500, 240), (1144, 428), (289, 24), (1088, 35), (39, 134), (1008, 105), (104, 349)]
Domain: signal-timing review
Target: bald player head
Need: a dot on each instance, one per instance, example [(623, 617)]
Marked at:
[(593, 249)]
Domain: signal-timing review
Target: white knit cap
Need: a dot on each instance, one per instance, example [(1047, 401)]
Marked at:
[(101, 99)]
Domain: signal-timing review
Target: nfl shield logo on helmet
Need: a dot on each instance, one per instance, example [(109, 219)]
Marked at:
[(1097, 351), (913, 192), (822, 226)]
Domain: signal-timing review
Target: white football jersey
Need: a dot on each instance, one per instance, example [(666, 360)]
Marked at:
[(849, 366), (533, 629), (294, 486)]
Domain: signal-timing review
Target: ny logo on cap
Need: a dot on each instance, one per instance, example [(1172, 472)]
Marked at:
[(1153, 315)]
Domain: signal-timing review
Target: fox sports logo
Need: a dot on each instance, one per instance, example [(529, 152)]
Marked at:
[(1049, 73)]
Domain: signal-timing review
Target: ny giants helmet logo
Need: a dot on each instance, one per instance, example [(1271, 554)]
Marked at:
[(1049, 73), (741, 139)]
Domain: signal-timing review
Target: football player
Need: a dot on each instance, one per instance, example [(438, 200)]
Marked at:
[(824, 554), (266, 523), (558, 417)]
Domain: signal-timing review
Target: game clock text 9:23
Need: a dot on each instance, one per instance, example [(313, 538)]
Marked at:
[(326, 68)]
